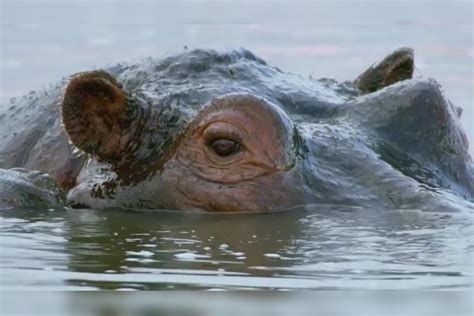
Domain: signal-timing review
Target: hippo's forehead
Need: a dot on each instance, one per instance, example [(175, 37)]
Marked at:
[(192, 79)]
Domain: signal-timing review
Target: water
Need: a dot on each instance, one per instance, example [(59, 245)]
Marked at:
[(326, 247)]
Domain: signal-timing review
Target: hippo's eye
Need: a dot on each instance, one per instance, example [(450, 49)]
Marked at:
[(224, 147)]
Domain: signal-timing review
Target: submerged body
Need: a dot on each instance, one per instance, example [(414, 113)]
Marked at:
[(226, 132)]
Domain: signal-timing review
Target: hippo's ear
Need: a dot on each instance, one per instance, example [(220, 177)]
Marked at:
[(397, 66), (95, 114)]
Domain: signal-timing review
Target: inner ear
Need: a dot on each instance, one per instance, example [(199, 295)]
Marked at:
[(402, 70), (395, 67), (95, 114)]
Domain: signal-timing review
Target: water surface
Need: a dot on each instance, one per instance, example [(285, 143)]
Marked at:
[(325, 247)]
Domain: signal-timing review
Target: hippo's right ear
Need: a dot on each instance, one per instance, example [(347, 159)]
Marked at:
[(95, 115), (397, 66)]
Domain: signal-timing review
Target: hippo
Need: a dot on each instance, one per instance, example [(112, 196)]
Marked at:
[(223, 131), (22, 188)]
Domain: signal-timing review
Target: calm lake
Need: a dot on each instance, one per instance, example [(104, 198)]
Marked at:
[(326, 247), (322, 247)]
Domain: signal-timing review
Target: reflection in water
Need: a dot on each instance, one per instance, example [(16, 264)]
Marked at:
[(208, 245), (323, 247)]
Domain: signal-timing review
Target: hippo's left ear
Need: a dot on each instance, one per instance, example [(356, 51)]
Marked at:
[(397, 66), (96, 116)]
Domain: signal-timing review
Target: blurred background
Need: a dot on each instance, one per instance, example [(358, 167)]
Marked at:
[(44, 40)]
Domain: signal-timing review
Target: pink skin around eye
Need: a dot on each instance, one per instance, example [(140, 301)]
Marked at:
[(236, 156)]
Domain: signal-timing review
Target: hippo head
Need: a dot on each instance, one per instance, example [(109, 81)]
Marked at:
[(225, 132), (233, 152)]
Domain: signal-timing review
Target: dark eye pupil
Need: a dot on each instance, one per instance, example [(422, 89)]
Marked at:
[(224, 147)]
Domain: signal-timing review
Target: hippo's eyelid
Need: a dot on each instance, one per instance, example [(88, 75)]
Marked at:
[(220, 131), (229, 136)]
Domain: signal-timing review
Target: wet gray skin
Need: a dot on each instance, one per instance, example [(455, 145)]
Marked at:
[(28, 189), (224, 131)]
